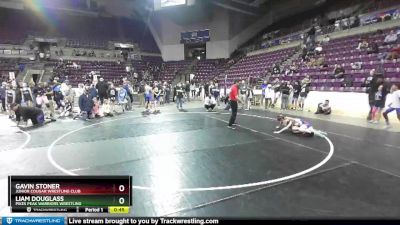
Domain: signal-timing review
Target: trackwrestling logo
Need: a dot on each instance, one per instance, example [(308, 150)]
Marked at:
[(33, 220)]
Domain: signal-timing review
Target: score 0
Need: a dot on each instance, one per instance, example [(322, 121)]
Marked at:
[(121, 189)]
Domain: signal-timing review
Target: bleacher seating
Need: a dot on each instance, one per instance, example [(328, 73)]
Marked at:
[(255, 66), (9, 65), (343, 52), (110, 71), (204, 70), (169, 69)]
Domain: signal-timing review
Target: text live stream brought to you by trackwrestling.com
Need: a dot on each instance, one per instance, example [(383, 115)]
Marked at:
[(174, 220)]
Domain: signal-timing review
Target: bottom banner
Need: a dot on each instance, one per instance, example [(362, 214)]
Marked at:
[(206, 221), (139, 221)]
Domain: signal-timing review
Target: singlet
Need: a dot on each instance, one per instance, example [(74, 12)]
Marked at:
[(26, 94), (113, 94), (49, 93), (147, 91), (156, 92), (303, 122), (68, 107), (10, 96), (121, 95)]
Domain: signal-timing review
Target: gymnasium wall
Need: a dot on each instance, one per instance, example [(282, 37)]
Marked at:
[(344, 103), (349, 104), (168, 34)]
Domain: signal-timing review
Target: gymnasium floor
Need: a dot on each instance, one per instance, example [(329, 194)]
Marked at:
[(191, 164)]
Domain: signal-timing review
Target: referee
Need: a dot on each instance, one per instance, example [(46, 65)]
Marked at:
[(233, 100)]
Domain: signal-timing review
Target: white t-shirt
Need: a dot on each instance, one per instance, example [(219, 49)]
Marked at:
[(269, 92), (210, 101), (395, 99), (147, 90)]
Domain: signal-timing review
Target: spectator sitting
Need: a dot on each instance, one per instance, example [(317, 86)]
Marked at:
[(311, 62), (356, 22), (318, 49), (393, 53), (356, 65), (373, 48), (293, 68), (96, 109), (320, 61), (338, 71), (68, 108), (347, 81), (210, 102), (324, 108), (276, 69), (391, 38), (326, 39), (362, 45)]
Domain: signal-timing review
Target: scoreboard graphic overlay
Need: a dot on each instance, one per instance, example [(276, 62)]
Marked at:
[(85, 194)]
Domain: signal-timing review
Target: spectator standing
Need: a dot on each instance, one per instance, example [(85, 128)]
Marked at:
[(180, 92), (141, 93), (3, 96), (167, 88), (269, 96), (296, 93), (193, 90), (372, 83), (249, 97), (216, 93), (174, 93), (187, 90), (303, 95), (233, 102), (123, 98), (394, 105), (10, 95), (285, 90), (27, 95), (206, 89), (379, 104), (243, 97), (112, 97), (277, 92), (128, 90), (85, 105), (49, 93), (263, 87), (102, 88)]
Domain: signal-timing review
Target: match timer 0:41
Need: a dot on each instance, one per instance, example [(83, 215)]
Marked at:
[(58, 194)]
